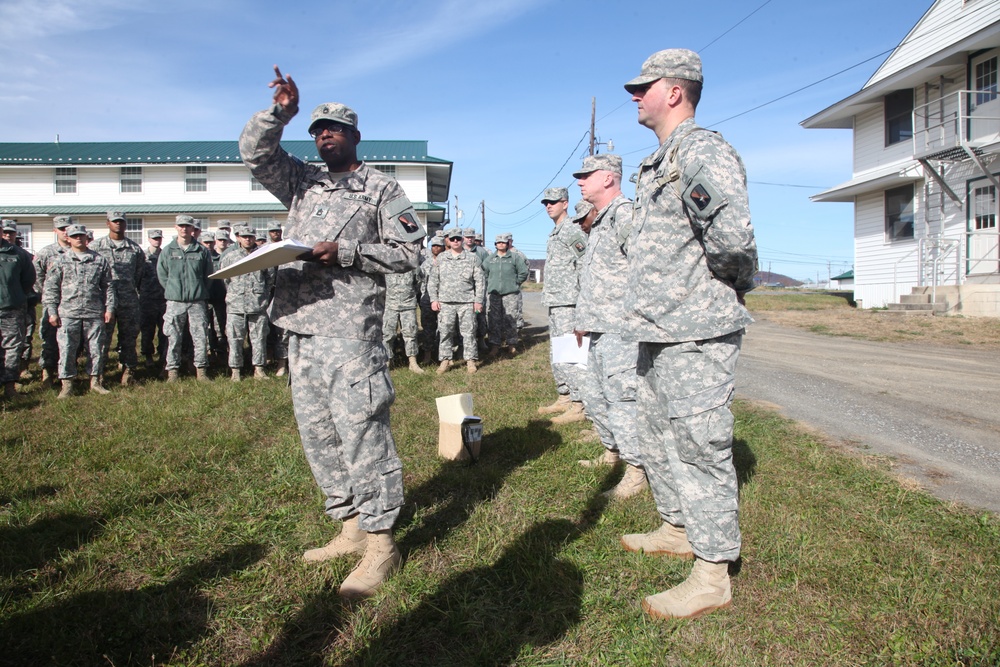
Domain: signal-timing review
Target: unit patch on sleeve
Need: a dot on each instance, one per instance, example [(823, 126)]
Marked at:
[(701, 197)]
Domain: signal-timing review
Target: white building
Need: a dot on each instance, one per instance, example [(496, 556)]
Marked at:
[(926, 140), (152, 182)]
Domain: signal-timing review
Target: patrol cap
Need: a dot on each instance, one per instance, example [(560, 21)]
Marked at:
[(479, 237), (582, 209), (336, 112), (504, 238), (116, 215), (456, 233), (185, 220), (8, 225), (555, 194), (154, 234), (438, 240), (62, 221), (225, 224), (275, 226), (669, 64), (76, 230), (206, 236), (245, 231), (602, 162), (222, 235), (469, 231), (260, 235), (90, 234), (196, 223)]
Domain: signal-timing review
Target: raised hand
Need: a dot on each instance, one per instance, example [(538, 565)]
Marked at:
[(286, 93)]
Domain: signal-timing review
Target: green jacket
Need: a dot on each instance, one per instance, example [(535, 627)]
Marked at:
[(184, 272), (17, 276), (504, 275)]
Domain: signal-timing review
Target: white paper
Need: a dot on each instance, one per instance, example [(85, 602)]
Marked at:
[(455, 408), (565, 350), (271, 254)]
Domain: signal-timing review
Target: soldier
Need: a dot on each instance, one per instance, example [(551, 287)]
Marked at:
[(429, 316), (222, 242), (17, 282), (80, 299), (49, 355), (183, 269), (227, 227), (520, 295), (401, 291), (505, 273), (274, 232), (247, 298), (218, 344), (362, 226), (207, 239), (152, 303), (32, 298), (608, 389), (128, 268), (260, 238), (457, 287), (692, 258)]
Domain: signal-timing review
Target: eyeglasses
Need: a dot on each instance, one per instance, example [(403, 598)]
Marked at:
[(331, 127)]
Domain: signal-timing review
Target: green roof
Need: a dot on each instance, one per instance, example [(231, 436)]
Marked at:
[(847, 275), (151, 209), (164, 152)]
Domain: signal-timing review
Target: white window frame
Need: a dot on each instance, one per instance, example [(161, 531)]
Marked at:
[(895, 220), (260, 222), (256, 186), (985, 78), (130, 180), (65, 180), (196, 178), (387, 169), (25, 231), (134, 229)]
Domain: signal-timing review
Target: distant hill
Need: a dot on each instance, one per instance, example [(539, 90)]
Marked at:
[(769, 279)]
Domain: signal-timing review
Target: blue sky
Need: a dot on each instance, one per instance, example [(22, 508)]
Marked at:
[(502, 88)]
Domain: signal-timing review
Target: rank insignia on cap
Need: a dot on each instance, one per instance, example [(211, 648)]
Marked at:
[(700, 197)]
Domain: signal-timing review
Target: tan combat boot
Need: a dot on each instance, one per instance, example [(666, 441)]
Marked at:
[(444, 366), (47, 377), (173, 375), (667, 540), (352, 540), (705, 590), (282, 368), (512, 350), (415, 367), (574, 414), (97, 384), (590, 435), (67, 389), (632, 482), (381, 560), (128, 377), (259, 373), (608, 458), (471, 366), (201, 374), (561, 404), (235, 375)]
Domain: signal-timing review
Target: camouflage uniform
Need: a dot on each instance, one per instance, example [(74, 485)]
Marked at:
[(565, 248), (428, 316), (456, 282), (247, 297), (49, 355), (519, 301), (401, 306), (504, 276), (218, 344), (152, 306), (128, 266), (341, 388), (692, 251), (609, 382), (183, 273), (79, 288), (17, 281)]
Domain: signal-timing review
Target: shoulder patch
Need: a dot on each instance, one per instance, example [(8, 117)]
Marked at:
[(701, 197)]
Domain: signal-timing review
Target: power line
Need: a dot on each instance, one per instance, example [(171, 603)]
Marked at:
[(789, 185), (535, 198), (735, 26)]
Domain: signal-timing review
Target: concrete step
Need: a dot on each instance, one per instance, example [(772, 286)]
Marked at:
[(915, 298)]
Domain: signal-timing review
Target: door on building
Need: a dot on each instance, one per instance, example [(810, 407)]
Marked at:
[(984, 240), (984, 105)]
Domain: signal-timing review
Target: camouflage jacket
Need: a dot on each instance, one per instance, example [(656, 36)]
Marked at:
[(566, 245), (604, 269), (692, 246), (42, 261), (79, 285), (151, 291), (504, 275), (365, 212), (249, 293), (457, 278), (402, 290), (128, 268)]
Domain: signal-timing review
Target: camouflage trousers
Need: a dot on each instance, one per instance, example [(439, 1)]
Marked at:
[(277, 340), (127, 321), (150, 327), (341, 393), (182, 316), (686, 436), (48, 357), (463, 317), (502, 317), (428, 325), (13, 324), (239, 325), (407, 319), (567, 376), (217, 340), (608, 392), (29, 333), (70, 335), (520, 310)]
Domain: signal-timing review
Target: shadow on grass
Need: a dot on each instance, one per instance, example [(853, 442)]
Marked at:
[(42, 491), (744, 460), (132, 626)]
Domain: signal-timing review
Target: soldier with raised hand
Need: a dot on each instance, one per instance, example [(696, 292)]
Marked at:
[(361, 226), (48, 358), (80, 299), (457, 288), (247, 298), (152, 304), (128, 266), (692, 256), (401, 291), (505, 272)]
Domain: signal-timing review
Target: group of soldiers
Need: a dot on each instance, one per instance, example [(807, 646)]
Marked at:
[(160, 297)]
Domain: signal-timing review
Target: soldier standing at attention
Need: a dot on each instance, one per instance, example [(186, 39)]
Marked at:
[(128, 266), (49, 356), (505, 272), (274, 232), (401, 306), (183, 269), (32, 298), (563, 250), (609, 391), (247, 298), (429, 316), (152, 304), (80, 299), (457, 287), (692, 257), (17, 282), (361, 226)]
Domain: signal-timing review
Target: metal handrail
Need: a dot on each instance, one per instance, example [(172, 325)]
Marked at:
[(951, 121)]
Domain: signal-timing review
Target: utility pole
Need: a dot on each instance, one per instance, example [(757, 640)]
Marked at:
[(482, 207), (593, 114)]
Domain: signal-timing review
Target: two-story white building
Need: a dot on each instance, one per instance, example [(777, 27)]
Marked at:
[(925, 177), (152, 182)]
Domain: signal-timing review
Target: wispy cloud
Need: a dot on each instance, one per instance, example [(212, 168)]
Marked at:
[(22, 20)]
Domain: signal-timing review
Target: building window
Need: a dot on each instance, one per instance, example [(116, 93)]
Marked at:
[(131, 179), (196, 178), (986, 81), (899, 213), (387, 169), (985, 211), (133, 229), (25, 232), (898, 116), (255, 185), (65, 180), (201, 222), (260, 221)]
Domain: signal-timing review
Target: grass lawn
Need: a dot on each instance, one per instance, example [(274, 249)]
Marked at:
[(164, 524)]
